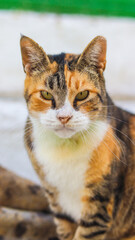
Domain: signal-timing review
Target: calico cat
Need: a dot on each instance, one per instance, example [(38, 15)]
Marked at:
[(81, 145)]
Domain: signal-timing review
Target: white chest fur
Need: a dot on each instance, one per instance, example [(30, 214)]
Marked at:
[(65, 163), (68, 178)]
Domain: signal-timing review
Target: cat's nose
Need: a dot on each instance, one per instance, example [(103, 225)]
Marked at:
[(65, 119)]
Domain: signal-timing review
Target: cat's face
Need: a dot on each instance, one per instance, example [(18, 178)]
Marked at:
[(65, 93)]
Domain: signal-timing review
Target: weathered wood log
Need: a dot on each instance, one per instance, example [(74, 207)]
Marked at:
[(24, 211), (20, 193), (24, 225)]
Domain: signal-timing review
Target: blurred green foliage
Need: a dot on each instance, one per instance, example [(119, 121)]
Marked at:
[(89, 7)]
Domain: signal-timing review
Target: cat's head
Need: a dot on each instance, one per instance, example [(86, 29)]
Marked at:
[(65, 93)]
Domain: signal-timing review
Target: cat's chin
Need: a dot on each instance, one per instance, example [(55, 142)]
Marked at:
[(65, 132)]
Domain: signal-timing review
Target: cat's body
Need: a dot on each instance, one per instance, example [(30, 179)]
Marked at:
[(81, 145), (65, 159)]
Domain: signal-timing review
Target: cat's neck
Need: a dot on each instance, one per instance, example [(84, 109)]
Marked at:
[(81, 144)]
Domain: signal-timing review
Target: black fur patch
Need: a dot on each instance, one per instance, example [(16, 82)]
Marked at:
[(100, 198), (91, 224), (64, 216), (59, 76), (50, 82), (94, 234), (104, 218), (72, 63)]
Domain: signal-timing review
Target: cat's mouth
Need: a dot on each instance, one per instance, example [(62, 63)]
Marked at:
[(64, 131), (63, 128)]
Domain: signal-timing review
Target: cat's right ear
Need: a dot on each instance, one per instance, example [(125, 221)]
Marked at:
[(34, 58)]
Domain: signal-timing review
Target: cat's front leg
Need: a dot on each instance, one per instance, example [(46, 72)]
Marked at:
[(95, 220), (90, 230), (65, 225)]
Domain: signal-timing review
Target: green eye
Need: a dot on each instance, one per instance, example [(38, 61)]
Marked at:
[(82, 95), (47, 95)]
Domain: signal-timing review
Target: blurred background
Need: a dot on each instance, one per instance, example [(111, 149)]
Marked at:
[(60, 26)]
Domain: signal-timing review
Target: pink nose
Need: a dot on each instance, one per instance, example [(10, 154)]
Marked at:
[(64, 120)]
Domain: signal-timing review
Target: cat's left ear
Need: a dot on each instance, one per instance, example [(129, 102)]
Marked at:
[(34, 58), (94, 55)]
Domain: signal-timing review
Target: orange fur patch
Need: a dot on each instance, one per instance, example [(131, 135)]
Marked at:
[(99, 166), (77, 82), (102, 158), (100, 163), (110, 207), (37, 105), (34, 85), (70, 56)]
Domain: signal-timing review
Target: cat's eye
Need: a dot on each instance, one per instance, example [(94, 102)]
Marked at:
[(47, 95), (82, 95)]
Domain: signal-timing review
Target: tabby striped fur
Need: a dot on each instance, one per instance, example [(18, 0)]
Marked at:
[(88, 166)]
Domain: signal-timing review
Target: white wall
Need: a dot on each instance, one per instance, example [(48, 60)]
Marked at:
[(67, 33)]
